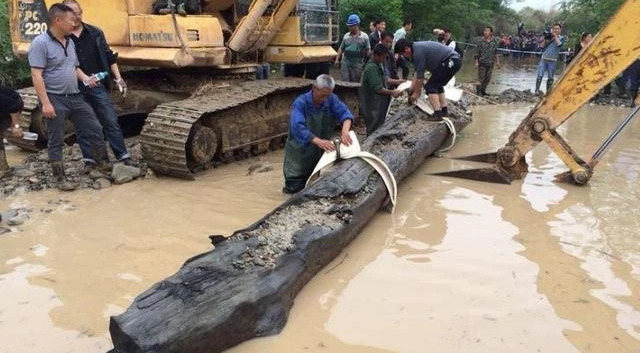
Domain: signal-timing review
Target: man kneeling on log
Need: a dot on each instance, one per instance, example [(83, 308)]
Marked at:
[(442, 61), (314, 116)]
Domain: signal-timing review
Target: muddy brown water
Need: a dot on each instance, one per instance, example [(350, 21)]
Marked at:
[(461, 266)]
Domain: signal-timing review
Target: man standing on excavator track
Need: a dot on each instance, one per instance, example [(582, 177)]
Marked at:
[(95, 56), (55, 73), (313, 118)]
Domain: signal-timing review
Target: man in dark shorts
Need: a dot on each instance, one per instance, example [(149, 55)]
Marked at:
[(10, 109), (437, 58)]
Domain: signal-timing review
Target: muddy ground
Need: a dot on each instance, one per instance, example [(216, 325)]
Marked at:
[(515, 96)]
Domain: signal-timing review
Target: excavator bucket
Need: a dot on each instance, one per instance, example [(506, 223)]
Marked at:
[(487, 174), (491, 174), (490, 157), (565, 177)]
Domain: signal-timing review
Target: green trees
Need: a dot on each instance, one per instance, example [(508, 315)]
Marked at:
[(14, 72), (588, 15), (466, 18), (370, 10)]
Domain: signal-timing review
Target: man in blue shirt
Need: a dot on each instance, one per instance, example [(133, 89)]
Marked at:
[(314, 116), (549, 58)]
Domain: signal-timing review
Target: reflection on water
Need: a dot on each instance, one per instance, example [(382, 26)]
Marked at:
[(25, 325), (95, 251), (464, 266), (461, 266), (466, 297), (516, 74)]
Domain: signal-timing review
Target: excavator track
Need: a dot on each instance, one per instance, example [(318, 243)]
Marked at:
[(31, 120), (30, 100), (228, 122)]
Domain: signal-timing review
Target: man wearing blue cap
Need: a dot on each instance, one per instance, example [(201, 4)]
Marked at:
[(353, 50)]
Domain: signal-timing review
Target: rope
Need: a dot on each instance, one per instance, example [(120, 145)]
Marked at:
[(454, 135), (514, 51), (481, 97), (176, 28)]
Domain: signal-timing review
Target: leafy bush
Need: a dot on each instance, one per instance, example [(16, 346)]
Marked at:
[(370, 10), (14, 72)]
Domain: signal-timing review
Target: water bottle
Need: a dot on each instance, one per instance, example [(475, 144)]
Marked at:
[(97, 76), (29, 136), (26, 135)]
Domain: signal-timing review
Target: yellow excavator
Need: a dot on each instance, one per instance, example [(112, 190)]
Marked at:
[(190, 92), (613, 49)]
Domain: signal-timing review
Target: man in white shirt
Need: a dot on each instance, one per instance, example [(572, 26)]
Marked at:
[(400, 34)]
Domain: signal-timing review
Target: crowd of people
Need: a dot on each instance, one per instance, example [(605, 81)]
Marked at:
[(375, 61)]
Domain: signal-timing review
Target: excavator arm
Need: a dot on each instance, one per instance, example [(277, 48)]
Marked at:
[(613, 49), (255, 31)]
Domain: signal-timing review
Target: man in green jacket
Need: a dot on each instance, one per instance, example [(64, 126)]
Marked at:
[(374, 95)]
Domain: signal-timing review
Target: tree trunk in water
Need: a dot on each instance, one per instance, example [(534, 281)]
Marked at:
[(245, 287)]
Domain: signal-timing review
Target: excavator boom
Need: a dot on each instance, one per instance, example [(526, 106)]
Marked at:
[(599, 63)]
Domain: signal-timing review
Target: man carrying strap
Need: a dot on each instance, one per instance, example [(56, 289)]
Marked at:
[(313, 117), (437, 58)]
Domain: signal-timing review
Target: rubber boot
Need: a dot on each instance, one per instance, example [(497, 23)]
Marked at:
[(549, 85), (102, 158), (4, 166), (61, 179), (538, 83)]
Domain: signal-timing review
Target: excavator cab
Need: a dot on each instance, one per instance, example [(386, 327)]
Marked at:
[(226, 34)]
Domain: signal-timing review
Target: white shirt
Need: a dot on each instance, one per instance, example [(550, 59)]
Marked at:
[(400, 33)]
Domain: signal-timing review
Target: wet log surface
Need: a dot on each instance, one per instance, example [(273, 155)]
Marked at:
[(245, 287)]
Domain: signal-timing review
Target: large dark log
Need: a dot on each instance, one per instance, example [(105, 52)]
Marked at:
[(245, 287)]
